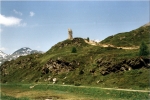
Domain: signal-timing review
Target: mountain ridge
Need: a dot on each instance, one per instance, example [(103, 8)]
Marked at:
[(20, 52), (2, 54), (129, 39)]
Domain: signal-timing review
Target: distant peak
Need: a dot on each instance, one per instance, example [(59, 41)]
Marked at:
[(25, 48), (1, 51)]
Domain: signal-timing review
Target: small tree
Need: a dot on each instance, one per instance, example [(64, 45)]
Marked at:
[(74, 50), (88, 39), (143, 49)]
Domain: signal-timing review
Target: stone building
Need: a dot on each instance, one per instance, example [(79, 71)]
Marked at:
[(70, 34)]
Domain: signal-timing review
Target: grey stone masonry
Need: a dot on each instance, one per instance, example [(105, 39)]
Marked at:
[(70, 34)]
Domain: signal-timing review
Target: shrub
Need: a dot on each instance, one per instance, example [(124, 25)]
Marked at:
[(143, 49), (88, 39), (77, 83), (74, 50)]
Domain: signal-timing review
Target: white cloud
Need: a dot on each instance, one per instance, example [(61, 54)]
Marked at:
[(17, 12), (32, 14), (9, 21)]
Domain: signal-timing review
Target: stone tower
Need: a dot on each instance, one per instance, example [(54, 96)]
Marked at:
[(70, 34)]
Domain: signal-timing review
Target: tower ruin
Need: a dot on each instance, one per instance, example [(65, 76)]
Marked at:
[(70, 34)]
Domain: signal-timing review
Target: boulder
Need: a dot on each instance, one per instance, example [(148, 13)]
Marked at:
[(107, 66), (59, 66)]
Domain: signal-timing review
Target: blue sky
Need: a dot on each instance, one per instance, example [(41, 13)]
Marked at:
[(41, 24)]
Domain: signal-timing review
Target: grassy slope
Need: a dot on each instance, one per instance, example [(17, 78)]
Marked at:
[(132, 38), (28, 69)]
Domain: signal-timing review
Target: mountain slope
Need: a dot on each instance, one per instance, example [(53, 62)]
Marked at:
[(23, 52), (3, 57), (91, 65), (20, 52), (128, 39), (2, 54)]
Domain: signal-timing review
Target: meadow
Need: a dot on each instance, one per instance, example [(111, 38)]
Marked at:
[(67, 92)]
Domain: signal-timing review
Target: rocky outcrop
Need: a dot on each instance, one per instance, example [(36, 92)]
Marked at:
[(107, 66), (74, 42), (59, 66)]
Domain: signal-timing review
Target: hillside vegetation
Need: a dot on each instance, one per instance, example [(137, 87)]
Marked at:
[(132, 38), (89, 65), (68, 92)]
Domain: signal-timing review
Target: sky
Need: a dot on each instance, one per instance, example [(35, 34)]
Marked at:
[(41, 24)]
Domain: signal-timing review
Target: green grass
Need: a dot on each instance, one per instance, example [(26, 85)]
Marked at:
[(28, 69), (31, 74), (100, 93), (6, 97), (93, 93), (132, 38)]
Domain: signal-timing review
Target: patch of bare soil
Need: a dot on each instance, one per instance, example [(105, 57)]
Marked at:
[(41, 95)]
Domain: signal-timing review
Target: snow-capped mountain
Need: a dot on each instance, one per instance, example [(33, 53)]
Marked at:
[(3, 57), (21, 52), (2, 54)]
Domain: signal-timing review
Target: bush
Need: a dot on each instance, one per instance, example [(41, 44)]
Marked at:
[(74, 50), (88, 39), (143, 49), (77, 83)]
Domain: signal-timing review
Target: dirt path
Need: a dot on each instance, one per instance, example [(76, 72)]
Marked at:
[(58, 94), (127, 48), (110, 88), (126, 90), (109, 45)]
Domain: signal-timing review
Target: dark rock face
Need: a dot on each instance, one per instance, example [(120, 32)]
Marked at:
[(58, 66), (107, 66)]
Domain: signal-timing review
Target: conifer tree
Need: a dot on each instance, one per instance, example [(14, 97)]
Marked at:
[(88, 39), (74, 50), (143, 49)]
